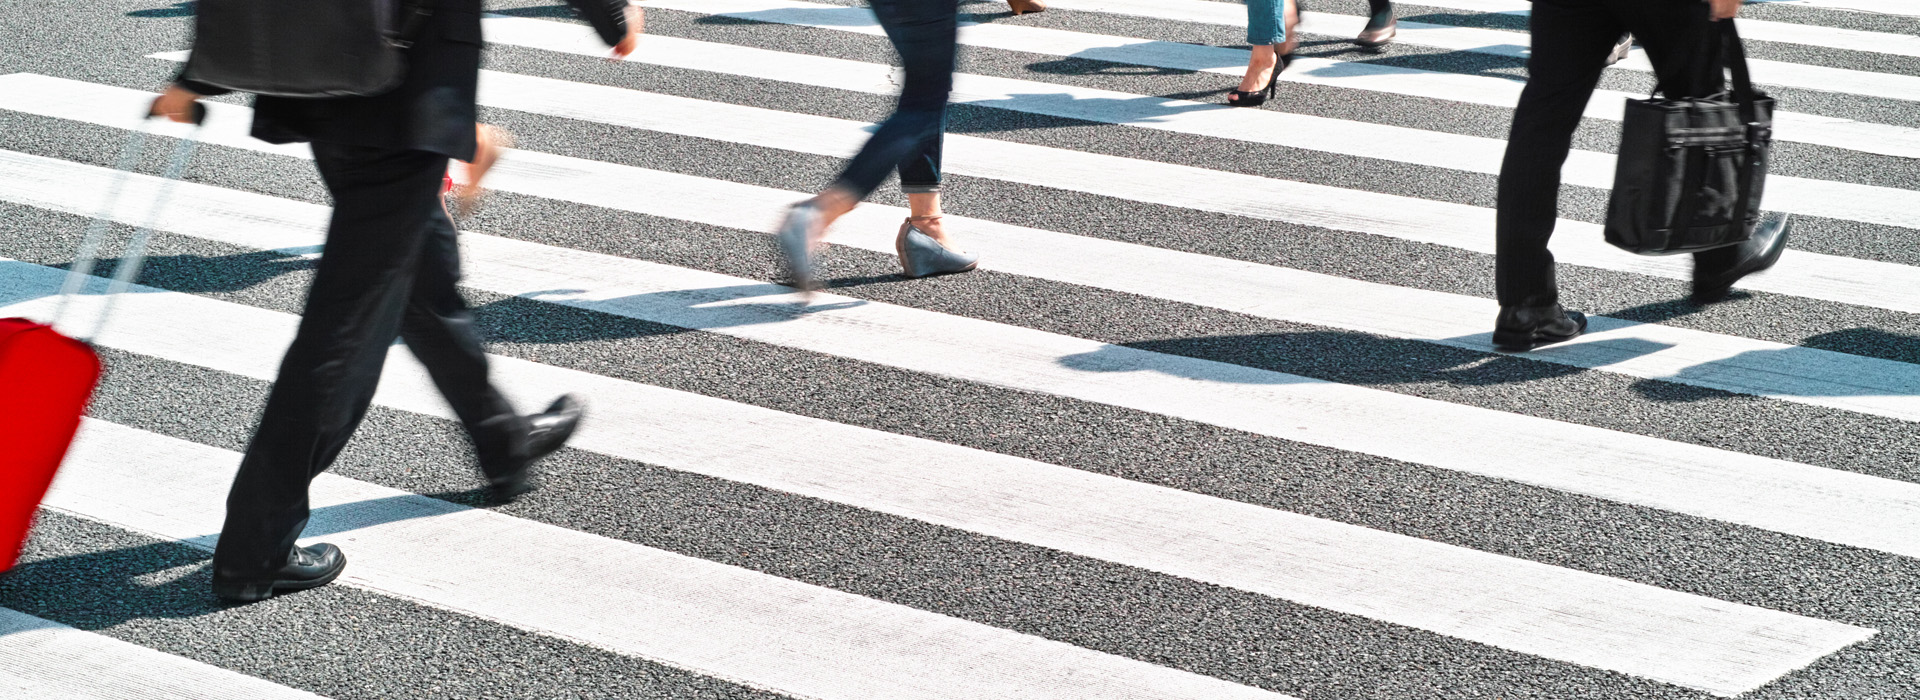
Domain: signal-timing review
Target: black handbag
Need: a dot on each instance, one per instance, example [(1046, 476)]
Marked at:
[(1691, 170), (304, 48)]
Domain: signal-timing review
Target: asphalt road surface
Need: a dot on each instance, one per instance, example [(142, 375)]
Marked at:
[(1217, 418)]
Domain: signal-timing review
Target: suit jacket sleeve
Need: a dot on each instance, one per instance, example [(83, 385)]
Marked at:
[(609, 17), (198, 88)]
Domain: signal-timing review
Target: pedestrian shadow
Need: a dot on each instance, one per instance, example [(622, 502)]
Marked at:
[(105, 589), (1337, 356), (1063, 109), (211, 274), (1793, 361), (1510, 21), (173, 579), (179, 9), (559, 316), (1468, 361)]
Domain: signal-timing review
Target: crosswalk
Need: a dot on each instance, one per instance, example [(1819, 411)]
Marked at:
[(1219, 417)]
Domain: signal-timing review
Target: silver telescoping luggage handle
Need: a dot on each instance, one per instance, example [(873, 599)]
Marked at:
[(135, 253)]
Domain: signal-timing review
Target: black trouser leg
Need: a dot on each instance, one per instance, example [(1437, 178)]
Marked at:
[(383, 200), (1571, 39), (1375, 7), (438, 328)]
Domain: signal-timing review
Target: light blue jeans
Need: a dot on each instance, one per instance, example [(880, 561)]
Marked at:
[(1266, 22)]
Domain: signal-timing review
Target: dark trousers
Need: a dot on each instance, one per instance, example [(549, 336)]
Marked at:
[(389, 270), (1571, 39), (926, 34)]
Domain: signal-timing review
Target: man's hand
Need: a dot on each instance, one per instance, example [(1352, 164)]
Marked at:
[(176, 104), (636, 25), (1724, 9)]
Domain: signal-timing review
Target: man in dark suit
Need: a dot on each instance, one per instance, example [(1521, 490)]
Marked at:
[(1572, 43), (389, 270)]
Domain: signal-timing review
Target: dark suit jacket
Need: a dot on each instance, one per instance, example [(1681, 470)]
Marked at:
[(432, 110)]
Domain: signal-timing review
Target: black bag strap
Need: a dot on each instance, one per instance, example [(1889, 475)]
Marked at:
[(1759, 135), (1735, 54)]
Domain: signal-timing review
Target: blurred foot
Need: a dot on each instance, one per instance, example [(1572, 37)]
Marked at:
[(1381, 28), (1621, 49), (796, 235), (547, 432), (1760, 251)]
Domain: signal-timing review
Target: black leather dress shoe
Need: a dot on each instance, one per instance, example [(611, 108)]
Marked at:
[(1523, 328), (547, 431), (1759, 252), (307, 567)]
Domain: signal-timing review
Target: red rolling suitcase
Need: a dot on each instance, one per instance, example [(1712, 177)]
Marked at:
[(46, 378)]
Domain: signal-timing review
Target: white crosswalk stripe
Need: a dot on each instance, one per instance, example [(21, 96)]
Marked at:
[(1812, 275), (43, 659), (1540, 613), (1521, 605), (1495, 42)]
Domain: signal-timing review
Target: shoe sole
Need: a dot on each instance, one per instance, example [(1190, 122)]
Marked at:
[(1377, 43), (1535, 341), (256, 591), (969, 268)]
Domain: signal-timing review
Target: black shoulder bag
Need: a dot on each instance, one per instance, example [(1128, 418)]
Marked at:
[(1692, 169), (304, 48)]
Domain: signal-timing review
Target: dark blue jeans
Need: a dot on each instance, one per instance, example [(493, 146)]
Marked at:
[(925, 34)]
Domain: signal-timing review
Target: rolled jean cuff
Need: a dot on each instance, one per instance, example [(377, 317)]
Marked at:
[(920, 189), (1266, 22)]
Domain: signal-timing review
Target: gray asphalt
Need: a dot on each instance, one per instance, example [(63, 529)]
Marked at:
[(348, 643)]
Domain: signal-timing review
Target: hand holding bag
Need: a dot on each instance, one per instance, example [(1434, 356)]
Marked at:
[(1691, 170)]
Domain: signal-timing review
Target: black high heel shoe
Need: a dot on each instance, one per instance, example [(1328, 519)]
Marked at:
[(1255, 98)]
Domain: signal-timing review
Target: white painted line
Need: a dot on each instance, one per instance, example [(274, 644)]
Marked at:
[(1803, 375), (45, 660), (1511, 603), (1488, 90), (1882, 139), (1750, 29), (1473, 154), (1902, 8), (722, 621), (1825, 504), (1502, 43), (1812, 275)]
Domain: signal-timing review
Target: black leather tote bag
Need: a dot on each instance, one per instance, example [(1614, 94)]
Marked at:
[(1691, 171), (303, 48)]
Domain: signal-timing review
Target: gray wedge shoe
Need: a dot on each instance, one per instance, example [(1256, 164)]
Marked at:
[(921, 256)]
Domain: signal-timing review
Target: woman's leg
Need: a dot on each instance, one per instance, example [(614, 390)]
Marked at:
[(1267, 23), (920, 180), (1260, 67), (925, 34)]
